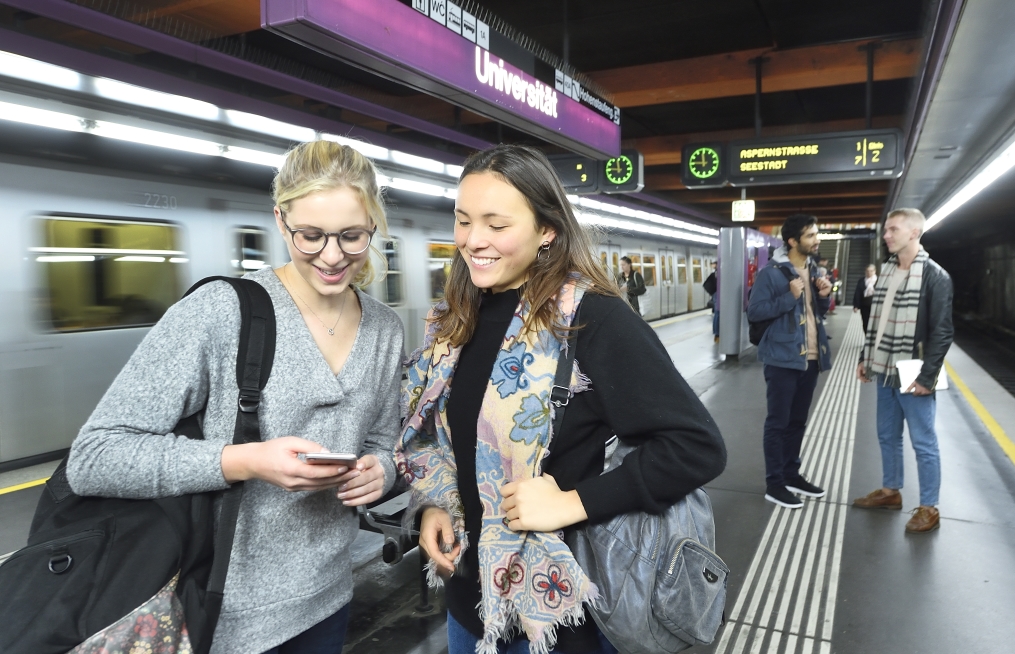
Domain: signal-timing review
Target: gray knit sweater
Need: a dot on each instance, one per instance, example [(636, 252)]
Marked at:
[(290, 565)]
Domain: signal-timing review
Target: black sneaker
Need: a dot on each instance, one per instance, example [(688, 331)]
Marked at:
[(804, 487), (781, 496)]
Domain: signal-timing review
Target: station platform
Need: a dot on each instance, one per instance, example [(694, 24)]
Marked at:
[(823, 579)]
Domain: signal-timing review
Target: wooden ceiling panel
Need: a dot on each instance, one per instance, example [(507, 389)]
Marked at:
[(730, 74)]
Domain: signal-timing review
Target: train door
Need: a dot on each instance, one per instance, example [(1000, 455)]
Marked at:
[(681, 294), (697, 278), (650, 308), (609, 257), (667, 305)]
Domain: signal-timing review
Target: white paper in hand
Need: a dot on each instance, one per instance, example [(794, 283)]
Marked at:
[(909, 370)]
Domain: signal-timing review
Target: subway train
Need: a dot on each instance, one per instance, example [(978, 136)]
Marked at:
[(92, 258)]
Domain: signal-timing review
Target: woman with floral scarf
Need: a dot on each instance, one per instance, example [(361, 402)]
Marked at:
[(497, 490)]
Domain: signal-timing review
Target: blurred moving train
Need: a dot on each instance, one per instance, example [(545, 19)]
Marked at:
[(90, 260)]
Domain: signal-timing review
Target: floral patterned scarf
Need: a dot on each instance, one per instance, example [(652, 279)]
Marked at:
[(530, 580)]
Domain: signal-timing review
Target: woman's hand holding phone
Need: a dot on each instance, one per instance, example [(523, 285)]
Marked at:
[(362, 484), (277, 461)]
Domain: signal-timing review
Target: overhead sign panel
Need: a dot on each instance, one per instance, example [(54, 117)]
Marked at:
[(441, 49), (578, 175), (585, 176), (844, 156)]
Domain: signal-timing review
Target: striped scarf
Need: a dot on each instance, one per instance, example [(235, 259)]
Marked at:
[(530, 580), (899, 339)]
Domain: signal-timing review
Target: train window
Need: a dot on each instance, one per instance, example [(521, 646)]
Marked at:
[(440, 257), (681, 270), (696, 270), (648, 269), (604, 260), (250, 250), (664, 273), (104, 273), (616, 262), (393, 293), (669, 266), (635, 261)]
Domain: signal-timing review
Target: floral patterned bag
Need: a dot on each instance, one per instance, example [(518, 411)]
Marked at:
[(155, 627)]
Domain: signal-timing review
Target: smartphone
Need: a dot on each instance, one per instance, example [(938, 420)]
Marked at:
[(340, 458)]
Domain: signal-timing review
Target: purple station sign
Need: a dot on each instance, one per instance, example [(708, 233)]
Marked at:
[(446, 53)]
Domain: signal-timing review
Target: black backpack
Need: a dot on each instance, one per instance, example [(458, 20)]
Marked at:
[(91, 560), (757, 329)]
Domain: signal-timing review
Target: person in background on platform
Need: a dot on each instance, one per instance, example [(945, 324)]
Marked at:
[(289, 580), (794, 349), (711, 286), (494, 486), (825, 272), (631, 283), (911, 317), (864, 294)]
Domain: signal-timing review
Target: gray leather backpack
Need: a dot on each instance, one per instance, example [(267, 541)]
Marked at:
[(662, 588)]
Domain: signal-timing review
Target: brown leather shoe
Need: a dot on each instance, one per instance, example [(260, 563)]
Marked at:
[(925, 518), (879, 499)]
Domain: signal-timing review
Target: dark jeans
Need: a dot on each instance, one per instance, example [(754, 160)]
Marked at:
[(865, 312), (789, 401), (325, 637)]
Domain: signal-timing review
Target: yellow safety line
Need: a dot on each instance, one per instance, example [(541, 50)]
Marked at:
[(988, 420), (27, 484)]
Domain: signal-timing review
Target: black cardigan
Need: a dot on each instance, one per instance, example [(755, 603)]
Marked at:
[(636, 394)]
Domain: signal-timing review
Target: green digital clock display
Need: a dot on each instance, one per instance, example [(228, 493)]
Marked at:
[(619, 170), (703, 162)]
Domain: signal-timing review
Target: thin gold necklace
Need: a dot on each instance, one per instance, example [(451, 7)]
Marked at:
[(331, 330)]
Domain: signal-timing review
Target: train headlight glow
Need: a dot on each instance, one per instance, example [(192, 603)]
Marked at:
[(155, 138), (254, 156), (12, 65), (62, 259), (40, 117), (270, 126), (366, 149), (177, 104)]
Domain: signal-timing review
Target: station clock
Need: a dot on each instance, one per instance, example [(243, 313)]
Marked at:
[(703, 165), (619, 169), (704, 162)]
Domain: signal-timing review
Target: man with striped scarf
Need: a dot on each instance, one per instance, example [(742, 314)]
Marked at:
[(911, 318)]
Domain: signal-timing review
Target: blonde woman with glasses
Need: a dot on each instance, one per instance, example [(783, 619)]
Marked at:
[(333, 387)]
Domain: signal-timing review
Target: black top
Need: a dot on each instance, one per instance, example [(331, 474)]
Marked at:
[(636, 394)]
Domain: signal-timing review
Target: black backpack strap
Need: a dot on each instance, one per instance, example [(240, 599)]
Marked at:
[(254, 359), (560, 396), (785, 271)]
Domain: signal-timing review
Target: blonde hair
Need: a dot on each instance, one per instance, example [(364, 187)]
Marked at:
[(324, 166), (914, 217)]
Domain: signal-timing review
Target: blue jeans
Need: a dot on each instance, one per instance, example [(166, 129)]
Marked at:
[(918, 412), (461, 641), (325, 637), (715, 321), (789, 401)]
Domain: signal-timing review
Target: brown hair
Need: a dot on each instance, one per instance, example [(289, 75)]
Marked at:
[(527, 170), (323, 166)]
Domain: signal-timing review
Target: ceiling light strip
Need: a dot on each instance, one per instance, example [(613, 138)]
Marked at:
[(997, 167)]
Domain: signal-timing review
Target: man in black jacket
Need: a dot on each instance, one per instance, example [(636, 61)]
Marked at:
[(911, 318)]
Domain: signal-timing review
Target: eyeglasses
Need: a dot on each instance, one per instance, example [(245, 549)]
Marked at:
[(312, 241)]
